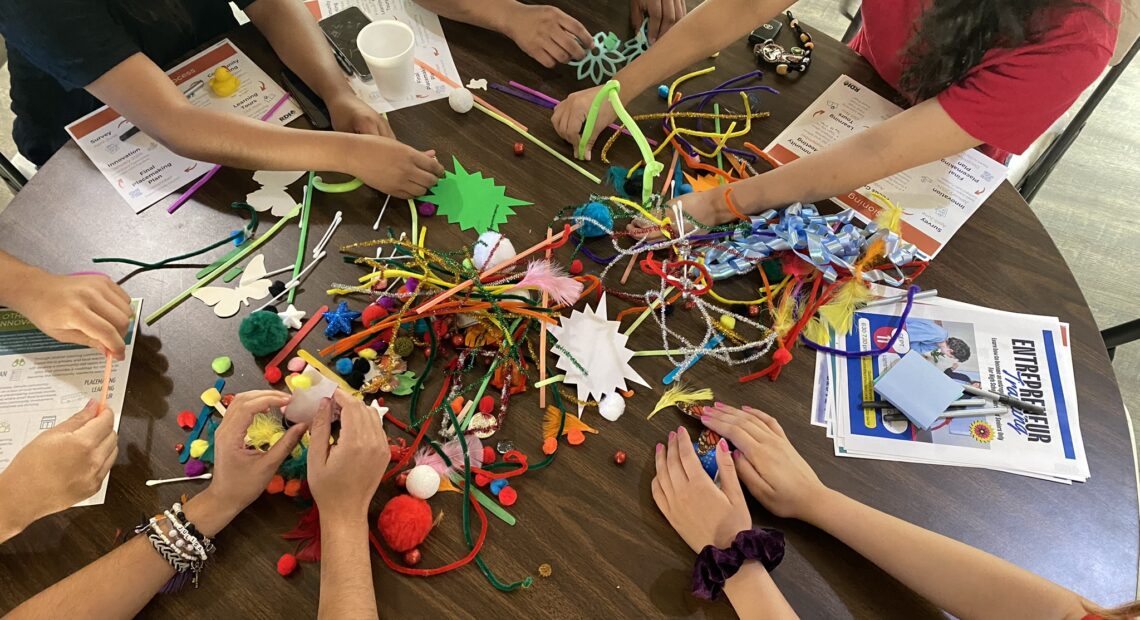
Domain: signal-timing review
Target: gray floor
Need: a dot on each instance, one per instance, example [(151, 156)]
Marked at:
[(1088, 204)]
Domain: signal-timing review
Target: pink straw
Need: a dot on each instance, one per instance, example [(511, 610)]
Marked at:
[(209, 175)]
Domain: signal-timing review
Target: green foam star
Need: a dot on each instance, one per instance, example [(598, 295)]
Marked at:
[(472, 201)]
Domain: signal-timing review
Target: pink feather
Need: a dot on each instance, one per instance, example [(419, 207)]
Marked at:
[(552, 279), (454, 451)]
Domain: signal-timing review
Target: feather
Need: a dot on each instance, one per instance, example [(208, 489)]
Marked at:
[(264, 431), (680, 394), (454, 451), (784, 319), (816, 331), (552, 279), (308, 532), (838, 312), (573, 423), (890, 217), (617, 176)]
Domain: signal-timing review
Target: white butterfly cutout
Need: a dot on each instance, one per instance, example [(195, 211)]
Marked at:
[(227, 301), (272, 196)]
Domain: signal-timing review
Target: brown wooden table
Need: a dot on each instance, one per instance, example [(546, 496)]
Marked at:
[(612, 553)]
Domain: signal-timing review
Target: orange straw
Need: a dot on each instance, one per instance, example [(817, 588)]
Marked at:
[(106, 384), (446, 80)]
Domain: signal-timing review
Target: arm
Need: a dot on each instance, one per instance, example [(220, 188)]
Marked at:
[(343, 479), (918, 135), (301, 45), (946, 572), (142, 93), (545, 33)]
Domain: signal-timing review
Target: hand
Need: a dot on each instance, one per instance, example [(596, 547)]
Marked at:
[(344, 477), (240, 472), (570, 116), (700, 512), (88, 310), (395, 168), (547, 34), (707, 208), (662, 15), (351, 115), (62, 466), (773, 471)]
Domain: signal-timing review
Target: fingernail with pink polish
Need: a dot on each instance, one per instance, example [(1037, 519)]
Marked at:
[(722, 445), (660, 447), (706, 418), (672, 434), (736, 454), (719, 405)]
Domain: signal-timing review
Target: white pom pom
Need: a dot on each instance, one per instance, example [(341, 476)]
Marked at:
[(611, 406), (461, 100), (423, 482), (481, 253)]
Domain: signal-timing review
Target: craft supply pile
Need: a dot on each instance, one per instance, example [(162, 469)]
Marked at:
[(451, 344)]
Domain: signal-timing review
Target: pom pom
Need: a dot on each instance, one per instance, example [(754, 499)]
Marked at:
[(679, 395), (187, 420), (486, 404), (404, 522), (482, 255), (481, 480), (194, 467), (611, 407), (343, 366), (461, 100), (617, 176), (488, 455), (576, 267), (296, 364), (221, 365), (263, 333), (293, 488), (508, 496), (422, 482), (497, 485), (550, 278), (573, 427), (597, 222), (300, 382), (373, 313), (286, 564), (198, 447), (273, 374), (426, 209), (276, 485)]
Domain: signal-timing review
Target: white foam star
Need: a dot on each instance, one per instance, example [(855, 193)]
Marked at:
[(292, 317)]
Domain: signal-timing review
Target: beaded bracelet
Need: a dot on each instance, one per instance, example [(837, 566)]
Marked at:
[(180, 543), (715, 566)]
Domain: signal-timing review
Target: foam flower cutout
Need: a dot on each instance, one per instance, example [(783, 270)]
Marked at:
[(638, 45), (593, 353), (601, 61), (473, 202)]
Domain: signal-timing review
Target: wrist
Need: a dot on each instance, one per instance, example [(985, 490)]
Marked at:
[(820, 504), (339, 521), (745, 581), (15, 511), (17, 279), (498, 17), (210, 512)]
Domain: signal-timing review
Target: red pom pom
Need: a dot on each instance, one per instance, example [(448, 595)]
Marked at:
[(373, 313), (276, 485), (405, 522), (481, 480), (273, 374), (402, 479), (508, 496), (488, 455), (576, 267), (187, 419), (782, 356), (486, 405), (292, 488), (286, 564), (413, 557), (227, 400)]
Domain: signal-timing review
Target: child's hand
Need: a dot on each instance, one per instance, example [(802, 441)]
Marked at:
[(351, 115), (700, 512), (344, 477), (59, 468), (395, 168), (547, 34), (772, 470), (662, 15), (88, 310), (570, 117), (707, 208)]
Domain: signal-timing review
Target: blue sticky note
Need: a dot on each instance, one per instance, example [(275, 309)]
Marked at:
[(918, 389)]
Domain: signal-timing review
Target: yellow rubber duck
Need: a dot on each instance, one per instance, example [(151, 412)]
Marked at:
[(224, 83)]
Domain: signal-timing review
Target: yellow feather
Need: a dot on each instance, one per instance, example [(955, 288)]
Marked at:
[(891, 215), (838, 312), (553, 417), (816, 331), (680, 394), (785, 318), (264, 431)]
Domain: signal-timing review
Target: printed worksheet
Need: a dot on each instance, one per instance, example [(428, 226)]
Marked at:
[(936, 198), (431, 49), (44, 382), (142, 170)]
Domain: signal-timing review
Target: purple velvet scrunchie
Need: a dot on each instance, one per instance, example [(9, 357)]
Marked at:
[(715, 566)]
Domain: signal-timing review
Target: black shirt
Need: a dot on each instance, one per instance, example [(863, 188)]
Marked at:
[(57, 47)]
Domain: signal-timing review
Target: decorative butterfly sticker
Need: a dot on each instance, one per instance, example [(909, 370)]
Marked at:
[(272, 196), (227, 301)]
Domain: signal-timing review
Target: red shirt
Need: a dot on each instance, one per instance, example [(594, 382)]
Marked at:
[(1013, 95)]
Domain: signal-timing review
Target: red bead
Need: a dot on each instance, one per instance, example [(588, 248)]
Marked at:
[(520, 148), (402, 479), (754, 310), (508, 496), (227, 399), (576, 267), (488, 455), (486, 405), (481, 480), (427, 352), (413, 557), (178, 447), (273, 374), (286, 564), (187, 419), (619, 457), (457, 340)]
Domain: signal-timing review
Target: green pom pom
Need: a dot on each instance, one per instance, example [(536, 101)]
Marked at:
[(263, 333)]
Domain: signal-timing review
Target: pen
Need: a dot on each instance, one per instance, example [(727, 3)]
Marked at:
[(962, 402), (1005, 400), (954, 413)]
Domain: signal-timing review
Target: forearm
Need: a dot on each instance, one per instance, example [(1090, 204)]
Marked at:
[(299, 42), (15, 276), (14, 513), (347, 590), (709, 28), (489, 14), (946, 572), (753, 594), (121, 583)]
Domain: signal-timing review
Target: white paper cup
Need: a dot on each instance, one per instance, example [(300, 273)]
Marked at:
[(388, 47)]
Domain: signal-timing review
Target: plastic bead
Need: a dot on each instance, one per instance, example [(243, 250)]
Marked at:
[(413, 557), (619, 457), (178, 447), (221, 365), (519, 149), (663, 92)]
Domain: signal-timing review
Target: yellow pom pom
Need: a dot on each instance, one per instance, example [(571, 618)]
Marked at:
[(198, 447), (728, 321), (211, 397), (301, 382), (368, 354)]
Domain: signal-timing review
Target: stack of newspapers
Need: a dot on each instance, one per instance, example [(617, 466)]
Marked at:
[(1022, 356)]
